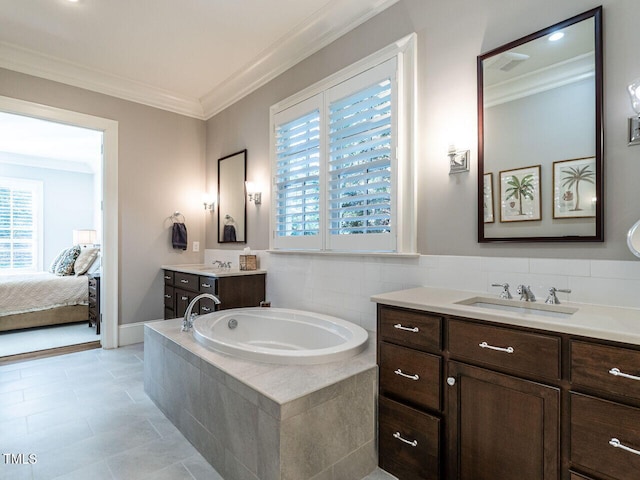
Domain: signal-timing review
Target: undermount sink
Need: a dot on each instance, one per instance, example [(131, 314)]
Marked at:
[(519, 307)]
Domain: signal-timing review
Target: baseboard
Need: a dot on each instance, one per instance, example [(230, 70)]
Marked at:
[(131, 333)]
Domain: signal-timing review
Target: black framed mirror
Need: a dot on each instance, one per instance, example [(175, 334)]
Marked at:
[(232, 205), (540, 130)]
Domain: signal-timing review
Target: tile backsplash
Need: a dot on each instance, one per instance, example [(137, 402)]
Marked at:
[(342, 285)]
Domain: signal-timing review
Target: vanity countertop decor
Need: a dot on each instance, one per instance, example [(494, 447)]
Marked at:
[(210, 270), (597, 321)]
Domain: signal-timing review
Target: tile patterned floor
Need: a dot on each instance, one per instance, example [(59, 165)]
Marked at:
[(85, 415)]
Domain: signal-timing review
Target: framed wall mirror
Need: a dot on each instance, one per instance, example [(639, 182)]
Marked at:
[(540, 135), (232, 207)]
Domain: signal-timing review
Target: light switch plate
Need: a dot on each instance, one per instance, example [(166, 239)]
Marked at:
[(634, 131), (196, 246)]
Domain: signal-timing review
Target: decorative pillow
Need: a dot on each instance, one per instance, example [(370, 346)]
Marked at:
[(65, 265), (85, 259), (54, 264)]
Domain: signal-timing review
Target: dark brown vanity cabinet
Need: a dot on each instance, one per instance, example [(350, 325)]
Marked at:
[(464, 399), (233, 291)]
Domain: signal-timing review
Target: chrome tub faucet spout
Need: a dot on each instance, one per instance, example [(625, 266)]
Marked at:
[(187, 321)]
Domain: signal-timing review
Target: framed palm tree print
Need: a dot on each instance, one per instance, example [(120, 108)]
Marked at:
[(520, 195), (574, 190)]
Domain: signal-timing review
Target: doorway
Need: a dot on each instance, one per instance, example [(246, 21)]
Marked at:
[(107, 227)]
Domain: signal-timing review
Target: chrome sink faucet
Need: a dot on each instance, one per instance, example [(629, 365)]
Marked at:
[(525, 293), (552, 298), (505, 293), (187, 321)]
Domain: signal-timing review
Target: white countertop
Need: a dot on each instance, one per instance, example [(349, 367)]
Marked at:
[(597, 321), (210, 270)]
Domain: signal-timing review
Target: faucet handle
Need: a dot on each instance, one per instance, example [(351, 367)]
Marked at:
[(552, 298), (505, 293)]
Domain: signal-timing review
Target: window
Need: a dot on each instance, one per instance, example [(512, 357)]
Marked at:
[(339, 172), (20, 220)]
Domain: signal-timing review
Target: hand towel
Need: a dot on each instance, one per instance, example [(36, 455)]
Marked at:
[(179, 236)]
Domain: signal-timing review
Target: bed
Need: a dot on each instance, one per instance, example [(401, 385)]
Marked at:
[(57, 296)]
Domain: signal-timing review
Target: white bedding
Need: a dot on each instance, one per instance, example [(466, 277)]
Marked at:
[(41, 291)]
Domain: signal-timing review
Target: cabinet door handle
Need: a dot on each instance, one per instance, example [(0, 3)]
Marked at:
[(406, 329), (498, 349), (206, 309), (184, 298), (413, 443), (206, 285), (167, 296), (184, 281), (411, 377), (617, 373), (614, 442)]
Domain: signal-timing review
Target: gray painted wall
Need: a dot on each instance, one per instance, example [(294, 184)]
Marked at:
[(160, 169), (450, 36), (68, 204)]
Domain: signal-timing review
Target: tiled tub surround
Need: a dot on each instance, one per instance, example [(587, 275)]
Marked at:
[(343, 285), (259, 421)]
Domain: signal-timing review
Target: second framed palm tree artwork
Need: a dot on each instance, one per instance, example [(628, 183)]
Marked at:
[(520, 194), (574, 191)]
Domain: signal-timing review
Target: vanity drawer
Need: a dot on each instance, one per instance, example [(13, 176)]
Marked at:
[(168, 277), (169, 297), (532, 353), (186, 280), (591, 365), (410, 375), (409, 441), (207, 285), (413, 329), (594, 423), (206, 305)]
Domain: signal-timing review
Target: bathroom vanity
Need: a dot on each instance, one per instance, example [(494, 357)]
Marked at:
[(478, 388), (235, 288)]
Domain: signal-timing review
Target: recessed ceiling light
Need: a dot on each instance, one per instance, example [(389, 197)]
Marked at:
[(556, 36)]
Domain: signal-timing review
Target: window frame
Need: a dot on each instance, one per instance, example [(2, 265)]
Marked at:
[(403, 162), (37, 188)]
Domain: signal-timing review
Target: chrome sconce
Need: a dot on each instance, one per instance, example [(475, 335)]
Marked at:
[(634, 122), (255, 197), (458, 160), (208, 200)]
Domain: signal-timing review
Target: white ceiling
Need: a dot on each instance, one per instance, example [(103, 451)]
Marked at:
[(193, 57)]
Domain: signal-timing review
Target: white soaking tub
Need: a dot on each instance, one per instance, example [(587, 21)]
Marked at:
[(278, 335)]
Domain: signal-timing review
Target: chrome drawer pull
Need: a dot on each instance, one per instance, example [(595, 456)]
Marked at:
[(206, 285), (184, 298), (167, 277), (206, 309), (184, 281), (167, 296), (399, 437), (406, 329), (617, 373), (412, 377), (614, 442), (499, 349)]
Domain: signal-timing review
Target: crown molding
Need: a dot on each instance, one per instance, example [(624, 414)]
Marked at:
[(52, 68), (327, 25), (331, 22)]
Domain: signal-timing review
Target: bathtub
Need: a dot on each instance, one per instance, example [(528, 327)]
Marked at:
[(278, 335)]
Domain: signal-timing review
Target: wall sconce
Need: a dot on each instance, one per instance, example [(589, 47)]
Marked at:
[(458, 160), (208, 200), (634, 122), (255, 197)]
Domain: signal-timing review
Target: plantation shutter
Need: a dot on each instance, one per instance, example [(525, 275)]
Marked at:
[(297, 178), (19, 204), (361, 158)]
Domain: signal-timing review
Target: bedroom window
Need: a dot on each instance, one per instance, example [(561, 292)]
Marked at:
[(20, 225), (342, 160)]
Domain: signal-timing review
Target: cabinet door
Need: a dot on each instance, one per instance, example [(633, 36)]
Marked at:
[(183, 298), (501, 427), (241, 291)]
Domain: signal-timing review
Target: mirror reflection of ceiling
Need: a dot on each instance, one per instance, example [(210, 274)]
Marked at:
[(39, 143), (540, 65)]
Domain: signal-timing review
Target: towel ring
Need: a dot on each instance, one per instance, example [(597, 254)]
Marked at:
[(175, 218)]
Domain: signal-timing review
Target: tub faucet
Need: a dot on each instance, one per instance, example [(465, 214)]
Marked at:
[(187, 322), (525, 293)]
